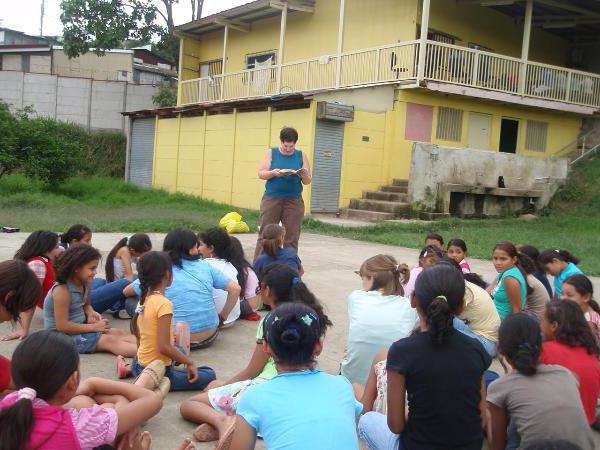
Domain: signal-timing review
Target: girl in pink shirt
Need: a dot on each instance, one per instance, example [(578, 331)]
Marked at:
[(579, 289), (51, 410)]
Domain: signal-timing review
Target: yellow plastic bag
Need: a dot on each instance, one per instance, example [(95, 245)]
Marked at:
[(237, 227), (230, 217)]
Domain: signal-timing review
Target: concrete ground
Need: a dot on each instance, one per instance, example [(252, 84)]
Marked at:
[(329, 263)]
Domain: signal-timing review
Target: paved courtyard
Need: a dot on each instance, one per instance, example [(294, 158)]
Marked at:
[(329, 264)]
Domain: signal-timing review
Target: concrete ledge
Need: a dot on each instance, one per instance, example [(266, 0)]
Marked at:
[(500, 192)]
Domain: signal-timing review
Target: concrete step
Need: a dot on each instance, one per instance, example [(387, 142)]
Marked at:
[(386, 196), (379, 205), (397, 182), (397, 189), (368, 216)]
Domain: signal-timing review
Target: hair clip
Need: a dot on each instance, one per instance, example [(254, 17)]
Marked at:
[(442, 297), (139, 309), (295, 280), (27, 394), (307, 320)]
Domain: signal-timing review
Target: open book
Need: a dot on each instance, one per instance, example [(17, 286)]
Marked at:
[(288, 172)]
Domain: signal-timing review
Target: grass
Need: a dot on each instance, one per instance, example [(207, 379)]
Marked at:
[(572, 221)]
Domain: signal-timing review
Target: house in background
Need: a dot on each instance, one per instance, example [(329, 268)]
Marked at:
[(509, 81)]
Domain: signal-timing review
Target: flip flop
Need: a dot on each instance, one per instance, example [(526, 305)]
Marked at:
[(122, 371), (206, 433), (226, 439)]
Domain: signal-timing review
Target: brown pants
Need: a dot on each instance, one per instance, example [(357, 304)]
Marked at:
[(288, 211)]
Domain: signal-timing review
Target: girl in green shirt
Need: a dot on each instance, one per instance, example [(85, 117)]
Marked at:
[(509, 290)]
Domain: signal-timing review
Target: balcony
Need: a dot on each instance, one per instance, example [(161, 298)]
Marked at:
[(398, 63)]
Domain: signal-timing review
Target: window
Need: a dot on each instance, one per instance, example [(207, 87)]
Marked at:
[(210, 68), (537, 135), (257, 60), (449, 124), (438, 36)]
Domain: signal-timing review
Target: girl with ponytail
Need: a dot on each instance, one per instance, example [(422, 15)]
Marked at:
[(273, 251), (52, 410), (214, 409), (541, 400), (439, 370), (378, 315), (301, 407), (122, 256), (580, 289), (561, 265)]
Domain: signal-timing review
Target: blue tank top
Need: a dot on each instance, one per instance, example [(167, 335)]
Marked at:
[(76, 312), (291, 185)]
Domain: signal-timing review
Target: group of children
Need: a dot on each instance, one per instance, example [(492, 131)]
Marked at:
[(415, 375)]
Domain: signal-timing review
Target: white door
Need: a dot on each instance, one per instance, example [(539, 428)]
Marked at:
[(480, 130)]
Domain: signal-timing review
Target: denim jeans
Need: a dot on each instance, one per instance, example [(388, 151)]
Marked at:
[(489, 346), (104, 295), (374, 431), (179, 380)]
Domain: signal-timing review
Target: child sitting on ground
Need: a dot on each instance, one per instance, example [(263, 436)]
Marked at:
[(570, 343), (457, 250), (280, 284), (561, 265), (76, 234), (39, 251), (301, 407), (122, 256), (273, 237), (154, 328), (248, 281), (378, 315), (435, 240), (537, 295), (539, 273), (428, 256), (68, 310), (53, 410), (579, 288), (439, 370), (541, 401)]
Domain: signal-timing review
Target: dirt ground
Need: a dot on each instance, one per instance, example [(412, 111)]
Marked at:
[(329, 264)]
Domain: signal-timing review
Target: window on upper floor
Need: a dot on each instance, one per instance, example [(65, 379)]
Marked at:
[(449, 124), (210, 68), (263, 59), (438, 36), (536, 136)]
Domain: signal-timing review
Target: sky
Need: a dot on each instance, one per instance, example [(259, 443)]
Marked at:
[(24, 15)]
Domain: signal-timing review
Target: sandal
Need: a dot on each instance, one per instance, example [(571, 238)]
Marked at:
[(226, 439), (122, 370), (155, 371), (163, 387), (206, 433)]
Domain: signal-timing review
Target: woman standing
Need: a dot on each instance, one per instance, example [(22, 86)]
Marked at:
[(285, 169)]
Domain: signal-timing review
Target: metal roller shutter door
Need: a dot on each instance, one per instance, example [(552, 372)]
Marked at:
[(142, 152), (329, 138)]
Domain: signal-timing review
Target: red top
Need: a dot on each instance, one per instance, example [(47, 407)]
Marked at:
[(585, 366), (4, 373), (49, 280)]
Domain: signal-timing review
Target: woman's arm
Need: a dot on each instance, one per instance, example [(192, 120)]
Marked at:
[(125, 256), (233, 295), (244, 436), (513, 292), (62, 299), (370, 393), (305, 171), (255, 366), (396, 397), (264, 169), (499, 419), (143, 403)]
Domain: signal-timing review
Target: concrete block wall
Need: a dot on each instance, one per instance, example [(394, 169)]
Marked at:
[(93, 104)]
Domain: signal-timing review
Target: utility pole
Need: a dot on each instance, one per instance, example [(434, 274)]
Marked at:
[(42, 18)]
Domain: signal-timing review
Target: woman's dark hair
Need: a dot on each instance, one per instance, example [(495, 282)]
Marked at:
[(18, 280), (520, 340), (551, 444), (429, 250), (239, 261), (74, 233), (458, 243), (572, 330), (140, 242), (435, 237), (547, 256), (511, 250), (292, 330), (470, 277), (44, 361), (440, 291), (288, 134), (527, 264), (219, 240), (533, 253), (178, 243), (287, 286), (37, 243), (74, 257), (271, 239), (386, 273), (584, 286)]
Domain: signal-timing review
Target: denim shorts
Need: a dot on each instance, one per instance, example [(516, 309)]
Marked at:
[(86, 342)]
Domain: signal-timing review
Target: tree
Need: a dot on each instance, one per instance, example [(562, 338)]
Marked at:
[(166, 96), (197, 8), (10, 155)]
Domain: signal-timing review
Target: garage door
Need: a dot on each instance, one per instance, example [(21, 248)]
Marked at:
[(327, 163), (141, 152)]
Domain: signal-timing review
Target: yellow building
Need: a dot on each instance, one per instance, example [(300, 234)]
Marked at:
[(362, 81)]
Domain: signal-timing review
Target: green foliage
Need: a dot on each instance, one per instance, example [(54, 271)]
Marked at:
[(166, 96), (167, 46), (10, 156), (105, 24), (579, 195), (104, 154)]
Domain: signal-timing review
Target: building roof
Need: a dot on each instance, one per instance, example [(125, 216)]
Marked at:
[(25, 48), (24, 34), (155, 69), (146, 51), (242, 15)]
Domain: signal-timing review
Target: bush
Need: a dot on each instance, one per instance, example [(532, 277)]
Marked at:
[(10, 156), (104, 154), (166, 96)]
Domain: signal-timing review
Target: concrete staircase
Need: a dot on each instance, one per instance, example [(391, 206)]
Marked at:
[(388, 203)]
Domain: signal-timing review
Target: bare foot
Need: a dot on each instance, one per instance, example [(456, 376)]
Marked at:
[(135, 440), (206, 433), (19, 334), (187, 444)]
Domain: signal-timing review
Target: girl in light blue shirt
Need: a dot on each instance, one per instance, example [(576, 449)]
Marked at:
[(561, 265), (509, 290)]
